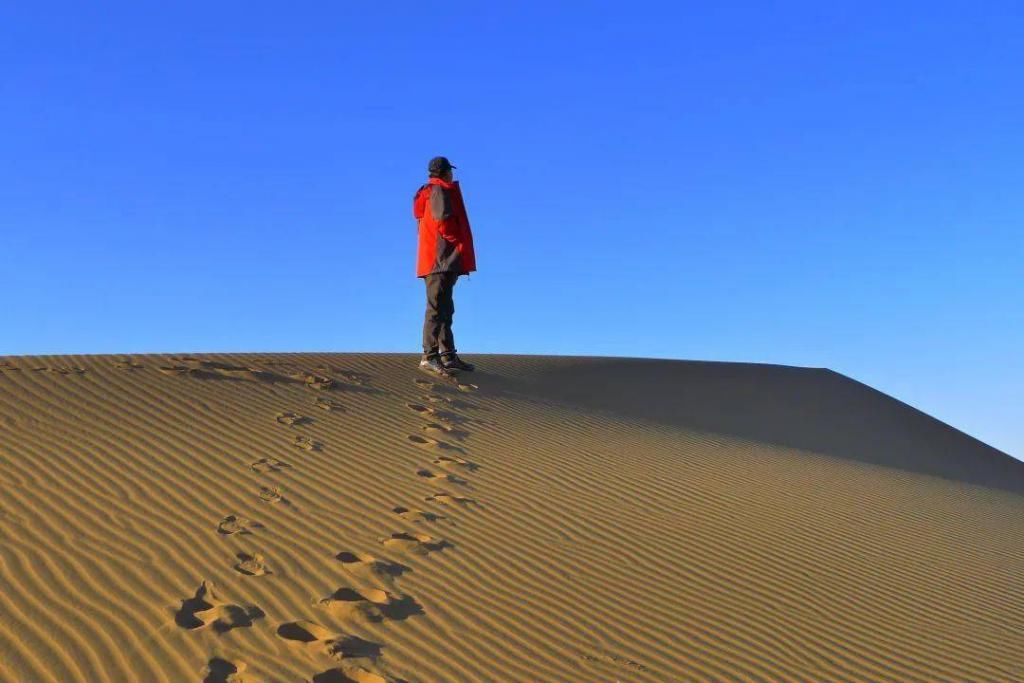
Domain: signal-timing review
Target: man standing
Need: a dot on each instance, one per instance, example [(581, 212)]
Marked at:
[(445, 252)]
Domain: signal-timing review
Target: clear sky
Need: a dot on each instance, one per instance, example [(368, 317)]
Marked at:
[(829, 184)]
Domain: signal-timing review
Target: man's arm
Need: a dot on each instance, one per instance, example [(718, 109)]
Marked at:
[(441, 211)]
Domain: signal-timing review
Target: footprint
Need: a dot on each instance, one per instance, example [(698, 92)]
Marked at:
[(366, 564), (269, 465), (341, 646), (421, 544), (431, 443), (292, 419), (417, 515), (424, 384), (233, 524), (449, 418), (424, 441), (272, 494), (372, 604), (351, 377), (223, 671), (467, 387), (67, 370), (427, 474), (206, 609), (435, 415), (173, 370), (314, 381), (436, 427), (127, 364), (253, 373), (192, 367), (420, 408), (451, 461), (306, 443), (452, 403), (251, 565), (428, 413), (444, 430), (216, 370), (443, 498), (328, 404), (304, 632)]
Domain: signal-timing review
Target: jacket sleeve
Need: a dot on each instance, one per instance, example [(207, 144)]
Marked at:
[(441, 212)]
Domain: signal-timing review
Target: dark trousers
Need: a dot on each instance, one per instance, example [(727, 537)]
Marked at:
[(437, 323)]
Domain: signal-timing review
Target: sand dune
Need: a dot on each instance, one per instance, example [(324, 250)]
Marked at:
[(340, 518)]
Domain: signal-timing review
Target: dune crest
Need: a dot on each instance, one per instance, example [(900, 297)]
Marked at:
[(336, 517)]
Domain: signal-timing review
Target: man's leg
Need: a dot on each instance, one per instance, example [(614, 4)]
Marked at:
[(433, 319), (446, 306), (446, 340)]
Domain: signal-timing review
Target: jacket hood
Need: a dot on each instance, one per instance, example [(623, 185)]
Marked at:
[(419, 202), (443, 183)]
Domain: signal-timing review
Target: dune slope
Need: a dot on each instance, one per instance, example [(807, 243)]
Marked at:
[(335, 517)]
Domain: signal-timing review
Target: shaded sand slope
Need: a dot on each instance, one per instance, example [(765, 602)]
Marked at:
[(333, 518), (802, 408)]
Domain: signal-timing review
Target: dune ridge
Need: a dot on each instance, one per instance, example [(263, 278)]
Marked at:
[(343, 517)]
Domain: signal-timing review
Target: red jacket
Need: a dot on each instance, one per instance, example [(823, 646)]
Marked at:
[(445, 240)]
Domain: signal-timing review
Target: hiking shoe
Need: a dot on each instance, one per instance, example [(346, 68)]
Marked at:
[(451, 361), (433, 364)]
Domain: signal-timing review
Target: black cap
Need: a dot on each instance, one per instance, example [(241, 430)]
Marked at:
[(439, 166)]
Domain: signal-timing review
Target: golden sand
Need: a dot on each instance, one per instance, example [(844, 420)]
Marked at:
[(335, 517)]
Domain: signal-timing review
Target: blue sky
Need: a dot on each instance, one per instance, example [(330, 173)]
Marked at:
[(820, 184)]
